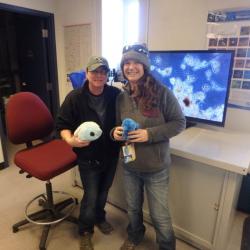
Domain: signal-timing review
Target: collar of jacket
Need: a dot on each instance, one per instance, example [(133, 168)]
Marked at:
[(127, 88), (85, 87)]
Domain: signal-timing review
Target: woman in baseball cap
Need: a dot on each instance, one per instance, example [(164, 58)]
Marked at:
[(97, 160)]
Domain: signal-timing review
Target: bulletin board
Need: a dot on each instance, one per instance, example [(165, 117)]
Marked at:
[(230, 30), (77, 47)]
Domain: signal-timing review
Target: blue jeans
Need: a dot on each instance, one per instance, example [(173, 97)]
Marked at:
[(156, 186), (96, 185)]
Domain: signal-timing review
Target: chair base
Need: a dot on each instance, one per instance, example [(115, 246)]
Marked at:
[(45, 232), (50, 214)]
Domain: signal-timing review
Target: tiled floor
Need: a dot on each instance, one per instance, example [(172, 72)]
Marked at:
[(16, 191)]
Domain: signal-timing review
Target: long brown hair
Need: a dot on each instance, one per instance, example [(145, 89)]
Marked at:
[(148, 92)]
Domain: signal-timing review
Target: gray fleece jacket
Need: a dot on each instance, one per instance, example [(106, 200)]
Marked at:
[(162, 124)]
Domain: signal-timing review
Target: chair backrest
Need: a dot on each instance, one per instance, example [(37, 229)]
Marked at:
[(27, 118)]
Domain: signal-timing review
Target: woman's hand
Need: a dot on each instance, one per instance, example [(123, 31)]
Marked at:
[(76, 142), (117, 133), (72, 140), (139, 135)]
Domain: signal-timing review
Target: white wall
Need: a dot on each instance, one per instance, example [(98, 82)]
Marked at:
[(45, 5), (180, 24), (228, 4), (177, 24)]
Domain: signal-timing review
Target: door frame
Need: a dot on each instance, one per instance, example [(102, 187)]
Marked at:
[(3, 145), (52, 59)]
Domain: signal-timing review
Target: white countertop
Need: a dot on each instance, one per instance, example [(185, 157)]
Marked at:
[(225, 149)]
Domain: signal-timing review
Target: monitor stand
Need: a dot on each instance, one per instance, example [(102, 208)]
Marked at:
[(190, 124)]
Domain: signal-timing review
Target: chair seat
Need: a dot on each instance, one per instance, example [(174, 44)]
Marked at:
[(50, 158)]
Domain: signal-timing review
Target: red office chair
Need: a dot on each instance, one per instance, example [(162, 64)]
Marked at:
[(28, 119)]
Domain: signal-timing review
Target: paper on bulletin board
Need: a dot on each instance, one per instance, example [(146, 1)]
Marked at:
[(230, 30), (78, 47)]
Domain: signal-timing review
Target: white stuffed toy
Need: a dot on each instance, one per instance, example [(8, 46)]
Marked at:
[(88, 131)]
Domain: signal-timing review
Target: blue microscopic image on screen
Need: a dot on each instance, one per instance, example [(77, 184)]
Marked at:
[(200, 80)]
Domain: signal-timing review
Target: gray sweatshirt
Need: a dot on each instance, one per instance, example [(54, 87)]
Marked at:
[(168, 121)]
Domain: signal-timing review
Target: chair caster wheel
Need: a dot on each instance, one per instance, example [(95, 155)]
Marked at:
[(41, 202), (15, 229)]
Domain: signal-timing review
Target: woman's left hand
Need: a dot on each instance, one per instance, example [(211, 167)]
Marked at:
[(139, 135)]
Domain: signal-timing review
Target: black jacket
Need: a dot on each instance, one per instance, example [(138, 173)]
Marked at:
[(75, 110)]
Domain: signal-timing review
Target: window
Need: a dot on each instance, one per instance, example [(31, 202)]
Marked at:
[(120, 26)]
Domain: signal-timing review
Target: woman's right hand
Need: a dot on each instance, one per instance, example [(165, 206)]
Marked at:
[(117, 133), (76, 142), (72, 140)]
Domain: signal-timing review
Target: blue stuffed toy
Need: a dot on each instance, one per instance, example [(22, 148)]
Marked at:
[(88, 131), (128, 125)]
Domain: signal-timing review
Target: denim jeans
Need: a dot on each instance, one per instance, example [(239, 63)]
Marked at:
[(156, 186), (96, 185)]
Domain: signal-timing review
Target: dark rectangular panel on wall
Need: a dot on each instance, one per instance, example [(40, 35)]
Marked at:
[(244, 196)]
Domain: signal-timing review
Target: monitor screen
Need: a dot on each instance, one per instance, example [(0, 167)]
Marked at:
[(199, 79)]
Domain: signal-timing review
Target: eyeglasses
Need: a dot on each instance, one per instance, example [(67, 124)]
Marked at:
[(99, 71), (136, 47)]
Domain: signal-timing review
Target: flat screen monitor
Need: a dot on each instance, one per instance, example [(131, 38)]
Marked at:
[(200, 80)]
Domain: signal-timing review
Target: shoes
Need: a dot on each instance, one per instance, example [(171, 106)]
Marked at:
[(85, 242), (128, 245), (105, 227)]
